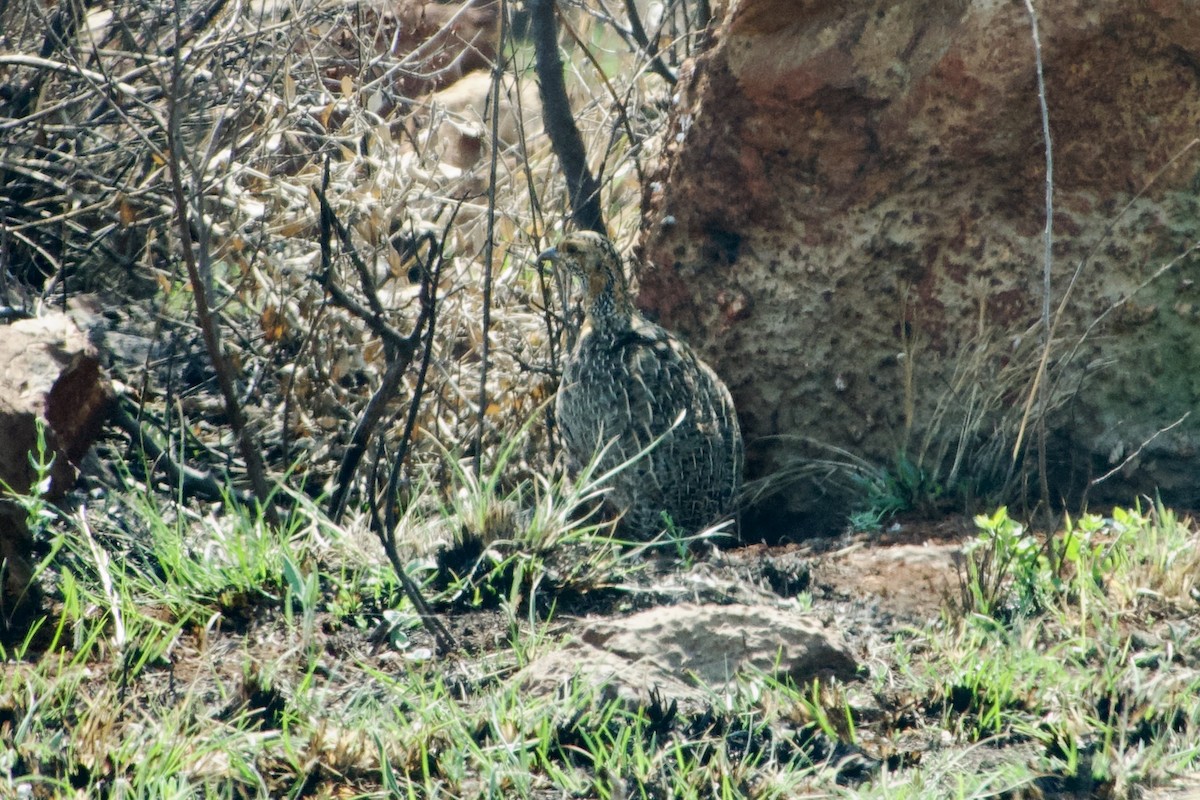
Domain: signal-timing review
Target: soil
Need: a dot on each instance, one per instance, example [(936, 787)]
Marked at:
[(867, 585)]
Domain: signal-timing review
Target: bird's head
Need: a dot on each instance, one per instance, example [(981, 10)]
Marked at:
[(593, 258)]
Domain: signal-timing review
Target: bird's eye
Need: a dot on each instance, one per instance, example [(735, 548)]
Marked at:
[(569, 249)]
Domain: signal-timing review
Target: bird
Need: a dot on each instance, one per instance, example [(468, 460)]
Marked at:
[(632, 393)]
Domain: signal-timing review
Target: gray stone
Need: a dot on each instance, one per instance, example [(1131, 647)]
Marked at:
[(683, 652)]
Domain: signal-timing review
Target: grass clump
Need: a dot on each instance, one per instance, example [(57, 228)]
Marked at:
[(196, 654), (1068, 646), (885, 492)]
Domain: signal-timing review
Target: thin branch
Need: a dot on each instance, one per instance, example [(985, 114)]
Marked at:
[(374, 317), (619, 105), (1138, 451), (445, 641), (489, 245), (430, 280), (97, 78), (1047, 259), (367, 423), (400, 352), (400, 349), (189, 481), (1048, 251), (251, 452), (560, 126), (649, 48), (535, 206)]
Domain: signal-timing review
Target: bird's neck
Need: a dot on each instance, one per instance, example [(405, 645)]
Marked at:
[(609, 307)]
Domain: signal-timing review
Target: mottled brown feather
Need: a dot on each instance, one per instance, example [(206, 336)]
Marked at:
[(625, 385)]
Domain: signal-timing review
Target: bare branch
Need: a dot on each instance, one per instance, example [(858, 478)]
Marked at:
[(1138, 451), (560, 125), (648, 47), (251, 452)]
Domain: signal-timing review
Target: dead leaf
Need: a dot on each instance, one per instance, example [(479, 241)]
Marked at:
[(127, 213), (273, 323)]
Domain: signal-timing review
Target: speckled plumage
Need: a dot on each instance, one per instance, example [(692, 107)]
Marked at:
[(627, 382)]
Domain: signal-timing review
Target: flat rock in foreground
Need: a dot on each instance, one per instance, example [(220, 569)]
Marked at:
[(683, 651)]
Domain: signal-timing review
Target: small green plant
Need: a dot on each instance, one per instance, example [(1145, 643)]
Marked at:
[(1010, 571), (32, 499), (1007, 568), (867, 520), (20, 579), (886, 492), (301, 591)]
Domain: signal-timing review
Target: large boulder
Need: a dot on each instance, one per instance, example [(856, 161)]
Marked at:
[(848, 223)]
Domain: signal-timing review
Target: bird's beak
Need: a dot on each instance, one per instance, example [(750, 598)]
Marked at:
[(550, 255)]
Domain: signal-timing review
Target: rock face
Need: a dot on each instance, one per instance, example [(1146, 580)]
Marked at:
[(848, 223), (682, 652), (48, 371)]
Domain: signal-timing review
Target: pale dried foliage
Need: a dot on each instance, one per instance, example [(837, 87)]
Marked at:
[(267, 97)]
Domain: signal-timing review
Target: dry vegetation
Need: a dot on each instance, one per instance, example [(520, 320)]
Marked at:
[(254, 110)]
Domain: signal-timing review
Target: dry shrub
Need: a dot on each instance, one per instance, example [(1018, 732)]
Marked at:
[(267, 98)]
